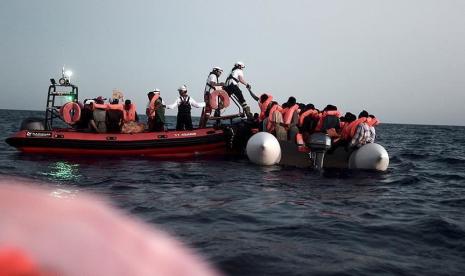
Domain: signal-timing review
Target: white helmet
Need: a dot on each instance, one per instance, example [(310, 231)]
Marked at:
[(217, 69), (182, 88), (156, 90), (239, 64)]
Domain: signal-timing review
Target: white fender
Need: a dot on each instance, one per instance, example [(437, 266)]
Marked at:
[(369, 157), (263, 149)]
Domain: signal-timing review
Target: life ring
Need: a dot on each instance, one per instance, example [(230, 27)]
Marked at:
[(219, 94), (70, 112)]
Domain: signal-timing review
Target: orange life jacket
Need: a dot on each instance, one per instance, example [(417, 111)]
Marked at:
[(323, 116), (130, 114), (373, 122), (288, 113), (349, 130), (152, 106), (270, 124), (311, 112), (263, 106)]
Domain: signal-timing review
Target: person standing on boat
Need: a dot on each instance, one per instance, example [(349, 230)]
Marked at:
[(212, 81), (184, 104), (232, 86), (155, 111)]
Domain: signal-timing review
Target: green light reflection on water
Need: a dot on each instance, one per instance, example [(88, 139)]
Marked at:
[(63, 171)]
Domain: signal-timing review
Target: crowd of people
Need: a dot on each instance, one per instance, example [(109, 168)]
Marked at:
[(292, 121), (296, 122)]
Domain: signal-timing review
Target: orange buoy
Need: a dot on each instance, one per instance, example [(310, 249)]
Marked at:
[(70, 112), (219, 94)]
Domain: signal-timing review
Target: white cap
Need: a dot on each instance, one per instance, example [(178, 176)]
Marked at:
[(216, 68), (182, 88), (240, 63), (156, 90)]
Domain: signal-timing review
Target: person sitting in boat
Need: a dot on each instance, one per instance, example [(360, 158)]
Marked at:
[(329, 119), (264, 103), (343, 140), (86, 117), (99, 113), (372, 122), (274, 121), (130, 113), (184, 104), (291, 118), (155, 111), (115, 117), (232, 86), (308, 119), (212, 81), (362, 133)]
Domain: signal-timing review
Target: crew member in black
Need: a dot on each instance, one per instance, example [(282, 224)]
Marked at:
[(184, 104)]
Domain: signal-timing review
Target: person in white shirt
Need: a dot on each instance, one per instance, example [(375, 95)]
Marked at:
[(232, 86), (212, 81), (184, 104)]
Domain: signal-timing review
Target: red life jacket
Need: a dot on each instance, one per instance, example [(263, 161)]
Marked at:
[(349, 130), (152, 110), (323, 116), (263, 106), (311, 112), (288, 113), (130, 114)]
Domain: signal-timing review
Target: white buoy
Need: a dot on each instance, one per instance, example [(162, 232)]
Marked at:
[(263, 149), (369, 157)]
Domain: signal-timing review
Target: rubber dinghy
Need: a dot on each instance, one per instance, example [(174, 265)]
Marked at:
[(264, 149)]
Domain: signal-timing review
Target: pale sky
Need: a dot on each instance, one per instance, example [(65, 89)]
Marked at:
[(402, 60)]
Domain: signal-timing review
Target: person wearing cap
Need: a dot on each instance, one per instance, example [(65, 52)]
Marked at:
[(232, 86), (212, 81), (86, 116), (184, 104), (155, 111)]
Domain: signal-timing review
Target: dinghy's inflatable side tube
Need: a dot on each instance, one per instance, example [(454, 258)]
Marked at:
[(263, 149), (369, 157)]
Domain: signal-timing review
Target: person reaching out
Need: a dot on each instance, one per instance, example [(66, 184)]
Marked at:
[(232, 86)]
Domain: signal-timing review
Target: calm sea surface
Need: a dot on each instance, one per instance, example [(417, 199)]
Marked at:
[(252, 220)]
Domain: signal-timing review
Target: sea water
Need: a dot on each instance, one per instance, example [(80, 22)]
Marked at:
[(252, 220)]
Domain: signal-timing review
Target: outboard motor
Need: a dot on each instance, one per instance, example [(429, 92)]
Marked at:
[(32, 124), (319, 143)]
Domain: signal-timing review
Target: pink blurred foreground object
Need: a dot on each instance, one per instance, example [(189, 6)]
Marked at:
[(83, 236)]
